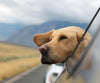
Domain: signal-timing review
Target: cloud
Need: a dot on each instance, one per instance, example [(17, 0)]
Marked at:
[(95, 24), (38, 11)]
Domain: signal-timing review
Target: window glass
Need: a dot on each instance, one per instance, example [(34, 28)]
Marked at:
[(88, 71)]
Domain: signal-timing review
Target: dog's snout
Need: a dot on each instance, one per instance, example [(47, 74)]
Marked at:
[(43, 49)]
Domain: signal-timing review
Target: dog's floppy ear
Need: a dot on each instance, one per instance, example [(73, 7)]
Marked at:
[(85, 40), (84, 43), (43, 38)]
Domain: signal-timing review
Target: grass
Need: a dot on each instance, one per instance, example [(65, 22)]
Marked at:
[(2, 59), (16, 59)]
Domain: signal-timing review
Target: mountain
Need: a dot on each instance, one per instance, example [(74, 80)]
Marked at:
[(25, 35), (6, 30)]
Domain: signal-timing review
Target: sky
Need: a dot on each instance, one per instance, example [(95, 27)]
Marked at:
[(38, 11)]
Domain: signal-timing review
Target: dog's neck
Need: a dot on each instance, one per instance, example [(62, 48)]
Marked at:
[(73, 60), (86, 64), (70, 64)]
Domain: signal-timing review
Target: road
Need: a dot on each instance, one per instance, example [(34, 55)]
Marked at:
[(36, 76)]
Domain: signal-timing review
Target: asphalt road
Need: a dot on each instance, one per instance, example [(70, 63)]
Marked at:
[(36, 76)]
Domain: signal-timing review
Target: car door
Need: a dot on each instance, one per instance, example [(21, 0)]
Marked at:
[(92, 75)]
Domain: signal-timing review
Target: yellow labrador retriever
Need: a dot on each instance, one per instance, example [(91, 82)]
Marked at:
[(56, 45)]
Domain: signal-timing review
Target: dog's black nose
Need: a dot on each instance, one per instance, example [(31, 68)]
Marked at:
[(43, 49)]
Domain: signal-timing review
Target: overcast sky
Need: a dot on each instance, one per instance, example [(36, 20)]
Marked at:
[(39, 11)]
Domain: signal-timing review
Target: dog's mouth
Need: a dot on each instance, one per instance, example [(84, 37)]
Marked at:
[(47, 60), (44, 61)]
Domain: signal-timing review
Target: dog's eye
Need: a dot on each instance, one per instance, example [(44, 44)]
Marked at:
[(50, 39), (63, 37)]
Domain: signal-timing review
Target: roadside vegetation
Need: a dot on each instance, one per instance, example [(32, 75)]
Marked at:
[(15, 59)]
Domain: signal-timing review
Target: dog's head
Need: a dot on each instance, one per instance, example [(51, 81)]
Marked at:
[(56, 45)]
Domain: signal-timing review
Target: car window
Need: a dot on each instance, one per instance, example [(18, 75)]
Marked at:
[(91, 73)]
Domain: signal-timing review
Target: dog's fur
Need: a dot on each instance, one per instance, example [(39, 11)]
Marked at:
[(61, 44)]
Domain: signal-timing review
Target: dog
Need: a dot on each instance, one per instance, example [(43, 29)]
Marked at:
[(57, 45)]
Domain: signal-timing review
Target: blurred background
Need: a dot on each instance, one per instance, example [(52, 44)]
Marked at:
[(21, 19)]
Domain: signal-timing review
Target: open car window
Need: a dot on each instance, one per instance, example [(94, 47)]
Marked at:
[(91, 74)]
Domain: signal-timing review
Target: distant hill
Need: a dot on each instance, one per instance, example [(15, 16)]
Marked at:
[(6, 30), (25, 35)]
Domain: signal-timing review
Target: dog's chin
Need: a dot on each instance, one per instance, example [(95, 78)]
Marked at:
[(44, 61)]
